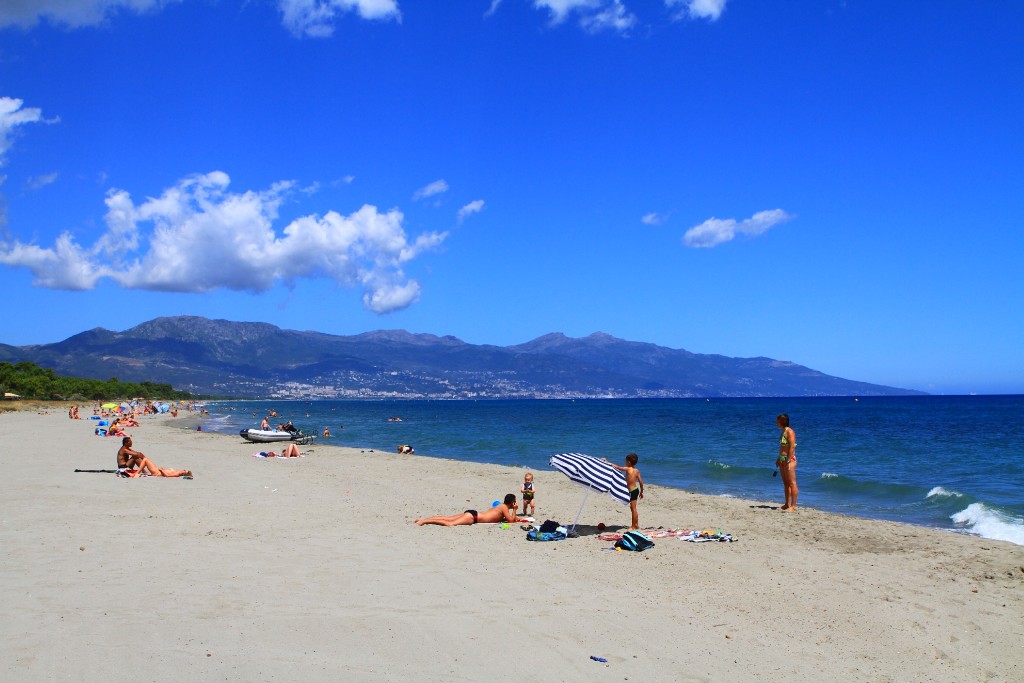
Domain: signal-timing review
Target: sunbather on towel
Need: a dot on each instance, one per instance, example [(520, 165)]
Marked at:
[(504, 512), (133, 463), (115, 428)]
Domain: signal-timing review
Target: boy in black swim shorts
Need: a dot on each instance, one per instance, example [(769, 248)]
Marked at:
[(635, 484)]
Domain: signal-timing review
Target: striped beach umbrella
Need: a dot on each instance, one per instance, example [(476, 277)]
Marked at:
[(594, 475)]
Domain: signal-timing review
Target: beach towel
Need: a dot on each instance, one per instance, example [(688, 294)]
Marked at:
[(650, 533), (545, 536), (709, 535)]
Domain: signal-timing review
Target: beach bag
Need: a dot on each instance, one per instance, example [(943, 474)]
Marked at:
[(634, 540), (549, 526)]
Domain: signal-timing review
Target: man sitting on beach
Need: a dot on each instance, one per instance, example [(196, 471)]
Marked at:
[(505, 512), (132, 463)]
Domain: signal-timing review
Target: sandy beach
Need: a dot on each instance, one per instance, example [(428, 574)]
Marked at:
[(311, 569)]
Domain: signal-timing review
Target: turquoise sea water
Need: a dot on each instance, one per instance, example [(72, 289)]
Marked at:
[(947, 462)]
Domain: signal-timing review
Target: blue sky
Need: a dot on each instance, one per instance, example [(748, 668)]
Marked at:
[(835, 183)]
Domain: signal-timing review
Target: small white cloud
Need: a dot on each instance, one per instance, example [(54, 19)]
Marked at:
[(41, 181), (697, 9), (475, 206), (594, 15), (315, 18), (613, 16), (71, 13), (715, 231), (493, 8), (654, 218), (12, 115), (198, 237), (436, 187)]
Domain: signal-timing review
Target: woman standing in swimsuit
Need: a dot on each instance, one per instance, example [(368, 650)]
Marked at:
[(787, 461)]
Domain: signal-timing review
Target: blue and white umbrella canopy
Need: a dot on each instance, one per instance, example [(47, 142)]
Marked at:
[(592, 473)]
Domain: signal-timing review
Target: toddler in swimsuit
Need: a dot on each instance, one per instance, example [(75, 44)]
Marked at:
[(528, 492)]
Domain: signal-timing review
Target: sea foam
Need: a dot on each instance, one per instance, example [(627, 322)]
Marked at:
[(940, 492), (988, 523)]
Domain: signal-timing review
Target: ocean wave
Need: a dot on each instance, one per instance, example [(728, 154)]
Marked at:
[(884, 493), (940, 492), (719, 465), (986, 522)]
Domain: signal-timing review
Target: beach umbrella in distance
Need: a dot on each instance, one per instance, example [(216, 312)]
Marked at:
[(592, 474), (108, 406)]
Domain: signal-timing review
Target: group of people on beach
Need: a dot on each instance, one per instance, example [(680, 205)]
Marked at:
[(130, 462), (507, 510)]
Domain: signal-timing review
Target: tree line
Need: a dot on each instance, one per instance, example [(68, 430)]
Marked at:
[(30, 381)]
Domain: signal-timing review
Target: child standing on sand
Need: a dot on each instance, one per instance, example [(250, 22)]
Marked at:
[(635, 484), (528, 492)]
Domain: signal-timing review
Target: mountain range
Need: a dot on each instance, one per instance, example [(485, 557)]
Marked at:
[(247, 359)]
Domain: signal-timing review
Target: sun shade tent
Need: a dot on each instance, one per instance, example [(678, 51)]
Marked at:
[(594, 475)]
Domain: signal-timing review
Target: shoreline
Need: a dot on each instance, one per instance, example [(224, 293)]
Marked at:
[(311, 568), (973, 517)]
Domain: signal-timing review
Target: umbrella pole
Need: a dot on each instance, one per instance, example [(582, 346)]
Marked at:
[(580, 511)]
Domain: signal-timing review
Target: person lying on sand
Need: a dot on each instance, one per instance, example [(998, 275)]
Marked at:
[(505, 512), (291, 451), (134, 464)]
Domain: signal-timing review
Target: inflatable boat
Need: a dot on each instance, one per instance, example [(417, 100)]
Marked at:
[(267, 436)]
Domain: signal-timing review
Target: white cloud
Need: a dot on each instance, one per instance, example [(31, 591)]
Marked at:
[(594, 15), (64, 266), (654, 218), (302, 17), (697, 9), (70, 13), (493, 8), (436, 187), (475, 206), (315, 18), (12, 115), (198, 237), (715, 231), (41, 181), (613, 15)]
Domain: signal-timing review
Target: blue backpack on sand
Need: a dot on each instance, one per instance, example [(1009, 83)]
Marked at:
[(634, 540)]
